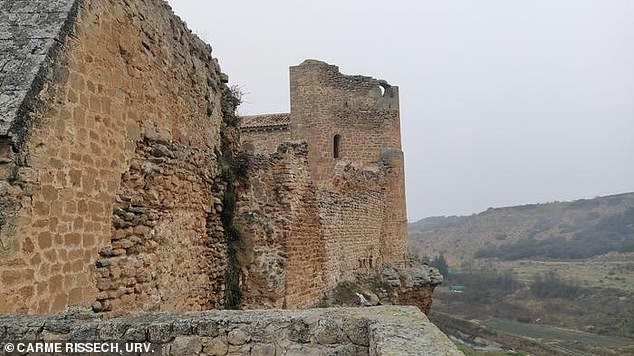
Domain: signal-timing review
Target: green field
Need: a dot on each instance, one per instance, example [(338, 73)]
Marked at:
[(610, 271), (551, 334), (558, 274), (528, 339)]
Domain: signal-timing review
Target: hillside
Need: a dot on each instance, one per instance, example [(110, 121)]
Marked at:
[(558, 230), (548, 279)]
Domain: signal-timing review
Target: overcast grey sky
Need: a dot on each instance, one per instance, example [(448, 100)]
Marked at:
[(502, 102)]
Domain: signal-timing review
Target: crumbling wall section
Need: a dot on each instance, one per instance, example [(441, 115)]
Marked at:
[(394, 248), (282, 252), (300, 240), (355, 184), (353, 119), (352, 220), (128, 77), (167, 251)]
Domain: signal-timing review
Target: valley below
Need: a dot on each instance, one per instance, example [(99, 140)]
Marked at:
[(544, 279)]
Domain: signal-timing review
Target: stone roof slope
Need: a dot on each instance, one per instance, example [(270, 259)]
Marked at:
[(30, 30), (273, 121)]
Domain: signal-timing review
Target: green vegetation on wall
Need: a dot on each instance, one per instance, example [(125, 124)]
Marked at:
[(232, 169)]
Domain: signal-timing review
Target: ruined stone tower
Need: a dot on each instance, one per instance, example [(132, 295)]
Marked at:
[(350, 170)]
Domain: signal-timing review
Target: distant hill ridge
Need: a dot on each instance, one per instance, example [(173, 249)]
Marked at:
[(558, 230)]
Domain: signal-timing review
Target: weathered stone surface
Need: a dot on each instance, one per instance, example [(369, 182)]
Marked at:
[(336, 331), (421, 337), (238, 337), (418, 284), (329, 331), (390, 275), (160, 333), (299, 331), (263, 350), (28, 32), (185, 346), (325, 197), (109, 166), (217, 346), (372, 299), (356, 331)]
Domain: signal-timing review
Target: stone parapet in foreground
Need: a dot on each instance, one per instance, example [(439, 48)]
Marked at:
[(384, 330)]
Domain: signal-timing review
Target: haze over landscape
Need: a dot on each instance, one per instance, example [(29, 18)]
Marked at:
[(502, 103)]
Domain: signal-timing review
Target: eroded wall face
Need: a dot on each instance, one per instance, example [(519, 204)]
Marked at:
[(300, 240), (352, 220), (357, 119), (394, 246), (167, 251), (283, 256), (353, 120), (129, 76)]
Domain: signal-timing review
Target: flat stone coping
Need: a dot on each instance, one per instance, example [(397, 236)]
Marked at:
[(382, 330)]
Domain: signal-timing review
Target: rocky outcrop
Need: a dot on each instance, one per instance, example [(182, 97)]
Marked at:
[(411, 285)]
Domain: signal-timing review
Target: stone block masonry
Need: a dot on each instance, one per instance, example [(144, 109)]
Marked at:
[(282, 253), (110, 181), (376, 331), (119, 174), (167, 249), (117, 146), (263, 133), (325, 198)]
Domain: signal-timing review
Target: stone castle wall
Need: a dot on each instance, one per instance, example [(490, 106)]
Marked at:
[(111, 187), (118, 175), (353, 205), (283, 256), (340, 331), (352, 219), (363, 111), (263, 141), (300, 240), (115, 174)]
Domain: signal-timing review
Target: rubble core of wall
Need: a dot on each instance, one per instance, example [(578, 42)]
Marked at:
[(124, 77), (167, 249), (282, 252), (339, 331)]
